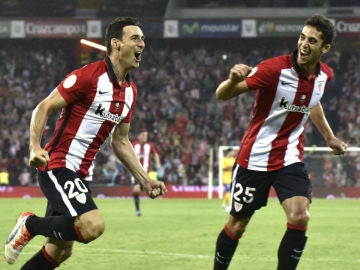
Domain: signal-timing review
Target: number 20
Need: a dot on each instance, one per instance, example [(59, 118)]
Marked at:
[(72, 186), (248, 195)]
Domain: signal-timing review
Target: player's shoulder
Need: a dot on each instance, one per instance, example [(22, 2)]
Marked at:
[(278, 61), (92, 69), (271, 67), (81, 83), (326, 69)]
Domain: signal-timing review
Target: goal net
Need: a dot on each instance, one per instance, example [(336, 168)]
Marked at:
[(328, 173)]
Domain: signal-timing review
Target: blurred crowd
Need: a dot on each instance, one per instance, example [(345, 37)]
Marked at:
[(177, 105), (270, 3), (144, 8)]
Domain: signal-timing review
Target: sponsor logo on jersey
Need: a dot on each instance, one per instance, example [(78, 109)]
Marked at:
[(103, 92), (287, 83), (108, 115), (293, 108)]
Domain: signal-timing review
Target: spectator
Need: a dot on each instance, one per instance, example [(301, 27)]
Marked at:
[(167, 104)]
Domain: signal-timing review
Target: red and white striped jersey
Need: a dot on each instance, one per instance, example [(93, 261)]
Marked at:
[(284, 98), (96, 104), (144, 153)]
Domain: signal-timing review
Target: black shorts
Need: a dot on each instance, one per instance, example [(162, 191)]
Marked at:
[(66, 193), (250, 189)]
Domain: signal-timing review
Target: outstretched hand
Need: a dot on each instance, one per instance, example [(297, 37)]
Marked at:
[(154, 188)]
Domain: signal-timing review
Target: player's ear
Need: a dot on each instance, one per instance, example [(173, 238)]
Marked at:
[(326, 48), (115, 44)]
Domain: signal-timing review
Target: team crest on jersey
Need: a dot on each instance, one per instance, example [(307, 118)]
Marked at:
[(81, 198), (70, 81), (238, 206), (302, 98)]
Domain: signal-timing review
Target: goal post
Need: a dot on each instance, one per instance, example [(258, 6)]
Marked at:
[(317, 160)]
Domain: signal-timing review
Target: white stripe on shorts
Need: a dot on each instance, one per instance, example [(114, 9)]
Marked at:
[(63, 195), (234, 173)]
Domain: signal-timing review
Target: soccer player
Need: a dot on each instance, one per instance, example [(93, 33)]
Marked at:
[(227, 164), (288, 91), (146, 152), (97, 101)]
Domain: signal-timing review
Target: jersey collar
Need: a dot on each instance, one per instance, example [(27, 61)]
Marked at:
[(112, 74), (298, 69)]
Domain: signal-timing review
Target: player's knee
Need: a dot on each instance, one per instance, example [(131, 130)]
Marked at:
[(238, 233), (93, 230), (238, 230), (91, 226), (237, 226), (300, 219)]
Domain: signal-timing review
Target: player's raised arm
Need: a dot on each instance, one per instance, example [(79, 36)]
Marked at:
[(235, 84)]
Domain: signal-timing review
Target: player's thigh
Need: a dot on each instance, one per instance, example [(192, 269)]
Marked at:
[(297, 210), (66, 193), (291, 181), (249, 191)]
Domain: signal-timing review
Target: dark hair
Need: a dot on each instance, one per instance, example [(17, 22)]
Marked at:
[(142, 130), (323, 25), (115, 29)]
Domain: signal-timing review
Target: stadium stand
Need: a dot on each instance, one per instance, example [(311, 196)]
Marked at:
[(176, 84), (176, 94)]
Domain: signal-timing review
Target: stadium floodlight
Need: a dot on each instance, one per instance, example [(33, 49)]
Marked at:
[(93, 44)]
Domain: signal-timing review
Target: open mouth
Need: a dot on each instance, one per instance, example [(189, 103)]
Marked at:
[(304, 54), (138, 56)]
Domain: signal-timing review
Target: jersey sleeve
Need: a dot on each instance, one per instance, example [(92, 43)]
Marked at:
[(262, 75), (75, 86)]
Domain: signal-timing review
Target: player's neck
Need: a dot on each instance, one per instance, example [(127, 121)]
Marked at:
[(119, 70), (308, 70)]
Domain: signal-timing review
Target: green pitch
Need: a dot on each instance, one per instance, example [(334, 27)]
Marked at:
[(175, 234)]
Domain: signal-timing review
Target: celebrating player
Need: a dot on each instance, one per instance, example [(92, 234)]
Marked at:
[(288, 91), (97, 101)]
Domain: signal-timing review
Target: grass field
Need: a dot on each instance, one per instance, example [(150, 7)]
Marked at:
[(180, 234)]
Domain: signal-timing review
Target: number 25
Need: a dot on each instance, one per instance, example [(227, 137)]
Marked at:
[(240, 195)]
